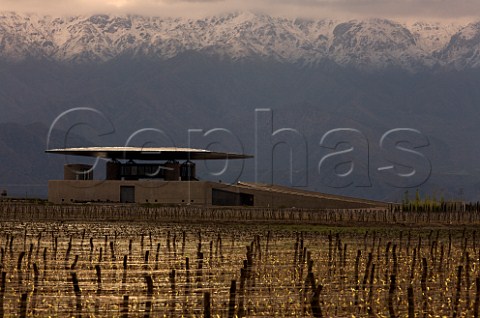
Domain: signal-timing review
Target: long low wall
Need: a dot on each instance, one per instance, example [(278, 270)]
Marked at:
[(197, 193), (151, 191)]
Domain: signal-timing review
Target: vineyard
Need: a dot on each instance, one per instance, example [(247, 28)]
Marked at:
[(247, 268)]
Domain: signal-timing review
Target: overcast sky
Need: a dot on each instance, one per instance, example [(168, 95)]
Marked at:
[(400, 9)]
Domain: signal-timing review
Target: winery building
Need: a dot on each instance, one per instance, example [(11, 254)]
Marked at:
[(167, 176)]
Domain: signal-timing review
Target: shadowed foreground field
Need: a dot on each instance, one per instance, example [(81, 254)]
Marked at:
[(246, 269)]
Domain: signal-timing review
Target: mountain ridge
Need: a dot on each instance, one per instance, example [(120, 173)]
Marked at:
[(371, 43)]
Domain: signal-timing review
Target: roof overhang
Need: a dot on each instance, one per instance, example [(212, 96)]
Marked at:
[(148, 153)]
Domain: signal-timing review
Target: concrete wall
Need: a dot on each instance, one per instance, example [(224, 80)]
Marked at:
[(195, 193), (151, 191)]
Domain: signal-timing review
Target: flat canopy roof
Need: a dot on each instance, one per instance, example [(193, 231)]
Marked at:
[(148, 153)]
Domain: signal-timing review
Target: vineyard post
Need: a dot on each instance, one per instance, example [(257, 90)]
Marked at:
[(221, 248), (430, 238), (367, 268), (74, 263), (183, 242), (112, 251), (148, 303), (67, 255), (340, 256), (157, 255), (23, 305), (199, 272), (241, 308), (408, 242), (365, 241), (78, 294), (91, 249), (467, 279), (419, 247), (370, 294), (449, 245), (310, 279), (477, 298), (174, 293), (231, 303), (414, 261), (25, 239), (267, 243), (83, 238), (124, 276), (4, 249), (295, 257), (175, 245), (35, 286), (411, 302), (356, 277), (145, 265), (474, 240), (19, 268), (168, 245), (258, 248), (55, 247), (29, 257), (387, 260), (391, 295), (395, 260), (423, 283), (130, 242), (249, 266), (330, 256), (379, 254), (440, 262), (105, 244), (315, 302), (401, 241), (210, 257), (187, 274), (458, 292), (150, 238), (2, 292), (11, 246), (98, 270), (45, 263), (124, 307), (206, 305)]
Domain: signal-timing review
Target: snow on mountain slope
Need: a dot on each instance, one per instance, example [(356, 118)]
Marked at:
[(377, 42), (463, 50), (433, 36), (370, 43)]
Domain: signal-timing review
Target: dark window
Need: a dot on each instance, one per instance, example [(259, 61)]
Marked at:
[(127, 194), (227, 198)]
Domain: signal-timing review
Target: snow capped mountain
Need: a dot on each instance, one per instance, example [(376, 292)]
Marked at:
[(434, 36), (375, 42), (463, 50), (369, 43)]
